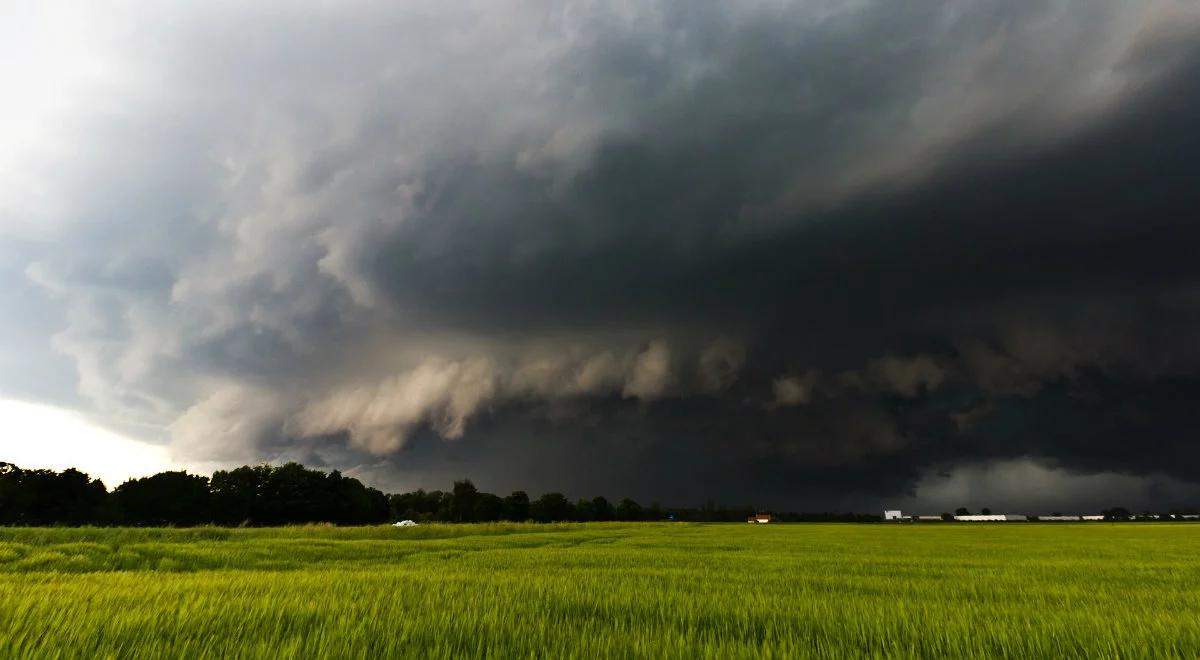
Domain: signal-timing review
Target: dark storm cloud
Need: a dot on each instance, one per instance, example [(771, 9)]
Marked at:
[(793, 255)]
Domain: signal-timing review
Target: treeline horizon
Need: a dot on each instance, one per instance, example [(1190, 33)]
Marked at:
[(289, 494)]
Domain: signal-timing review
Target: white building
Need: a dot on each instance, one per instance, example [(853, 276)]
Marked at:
[(992, 517), (1060, 518), (1092, 517), (893, 515)]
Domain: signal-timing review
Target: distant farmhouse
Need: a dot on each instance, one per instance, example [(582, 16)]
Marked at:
[(992, 517), (759, 518), (893, 515)]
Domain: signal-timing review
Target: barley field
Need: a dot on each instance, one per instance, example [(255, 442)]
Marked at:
[(603, 590)]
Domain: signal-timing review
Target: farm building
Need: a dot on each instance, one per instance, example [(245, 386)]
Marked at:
[(893, 515), (928, 518), (993, 517), (1060, 518), (1092, 517), (760, 518)]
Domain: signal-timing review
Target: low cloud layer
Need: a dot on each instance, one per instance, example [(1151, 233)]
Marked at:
[(800, 254)]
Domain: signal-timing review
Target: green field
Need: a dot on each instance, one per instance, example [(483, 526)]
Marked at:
[(604, 590)]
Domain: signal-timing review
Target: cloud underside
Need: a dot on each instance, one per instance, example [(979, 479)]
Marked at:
[(797, 253)]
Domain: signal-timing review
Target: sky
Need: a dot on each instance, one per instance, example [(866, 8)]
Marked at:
[(801, 255)]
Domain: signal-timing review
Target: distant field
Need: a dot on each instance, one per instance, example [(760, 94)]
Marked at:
[(604, 590)]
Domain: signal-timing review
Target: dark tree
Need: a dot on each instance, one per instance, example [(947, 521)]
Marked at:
[(294, 494), (516, 506), (629, 510), (45, 497), (985, 511), (584, 511), (488, 508), (167, 498), (82, 499), (380, 512), (948, 517), (237, 494), (962, 511), (417, 505), (551, 507), (349, 502), (291, 493), (10, 492), (462, 502), (654, 512), (602, 510)]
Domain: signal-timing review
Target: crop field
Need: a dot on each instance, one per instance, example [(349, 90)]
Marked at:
[(604, 590)]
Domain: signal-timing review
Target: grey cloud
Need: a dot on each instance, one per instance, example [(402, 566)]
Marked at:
[(444, 394), (437, 393), (890, 374), (377, 419), (651, 373), (907, 377), (228, 425), (795, 390), (720, 363)]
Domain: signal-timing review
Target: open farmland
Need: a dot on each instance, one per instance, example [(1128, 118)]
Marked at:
[(604, 590)]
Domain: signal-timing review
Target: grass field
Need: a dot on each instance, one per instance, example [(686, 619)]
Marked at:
[(604, 590)]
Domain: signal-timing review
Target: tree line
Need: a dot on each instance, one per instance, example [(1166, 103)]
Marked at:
[(266, 495), (258, 495)]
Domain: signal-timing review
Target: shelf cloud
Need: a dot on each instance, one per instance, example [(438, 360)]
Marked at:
[(804, 254)]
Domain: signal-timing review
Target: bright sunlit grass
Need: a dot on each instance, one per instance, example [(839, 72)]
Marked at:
[(604, 590)]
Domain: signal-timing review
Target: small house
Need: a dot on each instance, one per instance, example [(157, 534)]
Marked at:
[(759, 518), (893, 515)]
